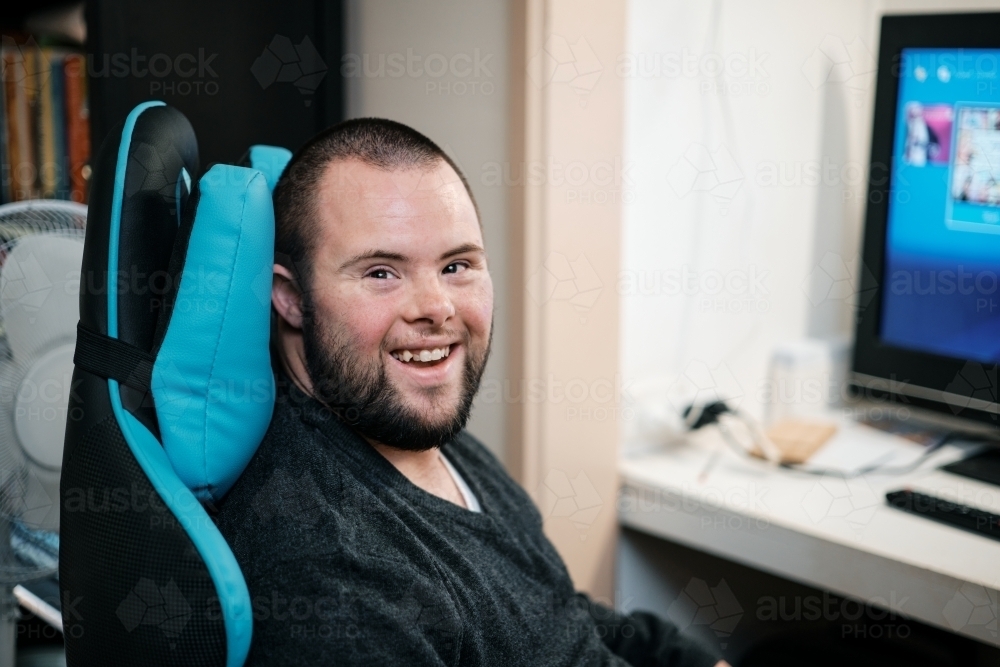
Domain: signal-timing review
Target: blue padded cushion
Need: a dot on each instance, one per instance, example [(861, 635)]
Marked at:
[(270, 161), (212, 381)]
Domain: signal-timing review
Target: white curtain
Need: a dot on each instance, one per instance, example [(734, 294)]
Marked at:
[(747, 141)]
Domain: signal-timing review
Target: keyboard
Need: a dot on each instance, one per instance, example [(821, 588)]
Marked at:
[(954, 514)]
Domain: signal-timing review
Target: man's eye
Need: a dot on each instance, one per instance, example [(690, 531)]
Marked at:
[(379, 274), (455, 267)]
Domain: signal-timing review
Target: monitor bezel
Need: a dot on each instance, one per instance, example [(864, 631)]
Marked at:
[(879, 369)]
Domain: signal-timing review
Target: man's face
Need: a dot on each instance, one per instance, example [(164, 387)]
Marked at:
[(400, 301)]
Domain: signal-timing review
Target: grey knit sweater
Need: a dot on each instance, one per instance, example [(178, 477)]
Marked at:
[(349, 563)]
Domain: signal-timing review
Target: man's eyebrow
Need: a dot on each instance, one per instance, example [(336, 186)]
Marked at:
[(464, 248), (397, 257), (374, 254)]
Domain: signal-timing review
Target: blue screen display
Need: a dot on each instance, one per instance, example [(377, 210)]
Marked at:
[(942, 254)]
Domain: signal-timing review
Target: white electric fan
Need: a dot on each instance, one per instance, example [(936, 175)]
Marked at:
[(41, 251)]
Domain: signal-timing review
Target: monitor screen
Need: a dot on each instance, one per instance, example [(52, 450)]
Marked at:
[(940, 291)]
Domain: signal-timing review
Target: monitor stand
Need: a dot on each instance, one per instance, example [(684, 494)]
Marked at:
[(984, 466)]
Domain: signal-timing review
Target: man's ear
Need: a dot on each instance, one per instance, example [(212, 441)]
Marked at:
[(286, 297)]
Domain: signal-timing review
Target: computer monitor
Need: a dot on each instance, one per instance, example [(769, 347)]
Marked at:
[(928, 325)]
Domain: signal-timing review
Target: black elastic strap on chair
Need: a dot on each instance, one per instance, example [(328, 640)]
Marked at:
[(113, 359)]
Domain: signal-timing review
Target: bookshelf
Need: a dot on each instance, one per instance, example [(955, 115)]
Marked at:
[(224, 64), (45, 142)]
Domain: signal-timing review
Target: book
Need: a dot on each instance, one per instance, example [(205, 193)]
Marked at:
[(33, 74), (58, 79), (19, 127), (44, 121), (48, 177), (77, 125), (4, 157)]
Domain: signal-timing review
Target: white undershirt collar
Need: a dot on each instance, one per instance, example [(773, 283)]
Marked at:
[(471, 502)]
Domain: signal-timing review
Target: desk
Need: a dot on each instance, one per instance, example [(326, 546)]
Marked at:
[(835, 534)]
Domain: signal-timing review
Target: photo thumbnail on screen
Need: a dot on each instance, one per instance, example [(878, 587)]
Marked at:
[(974, 192), (928, 134)]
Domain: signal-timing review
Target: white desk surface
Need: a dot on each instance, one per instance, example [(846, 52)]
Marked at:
[(835, 534)]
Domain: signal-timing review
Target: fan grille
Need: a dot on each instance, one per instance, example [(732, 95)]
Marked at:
[(26, 551)]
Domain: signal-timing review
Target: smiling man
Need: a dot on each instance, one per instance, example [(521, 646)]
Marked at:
[(371, 528)]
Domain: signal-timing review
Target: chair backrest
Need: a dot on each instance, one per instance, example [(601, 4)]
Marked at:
[(173, 391)]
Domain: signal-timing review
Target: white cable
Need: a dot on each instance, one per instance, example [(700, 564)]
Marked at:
[(38, 607)]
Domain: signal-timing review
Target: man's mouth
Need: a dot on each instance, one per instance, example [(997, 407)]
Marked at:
[(423, 356)]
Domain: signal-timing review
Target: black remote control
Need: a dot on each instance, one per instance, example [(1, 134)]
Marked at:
[(978, 521)]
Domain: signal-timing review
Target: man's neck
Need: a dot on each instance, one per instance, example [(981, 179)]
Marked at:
[(293, 365), (425, 469)]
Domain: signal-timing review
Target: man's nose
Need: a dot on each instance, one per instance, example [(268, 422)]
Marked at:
[(431, 302)]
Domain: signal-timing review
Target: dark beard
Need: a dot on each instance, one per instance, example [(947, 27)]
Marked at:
[(361, 395)]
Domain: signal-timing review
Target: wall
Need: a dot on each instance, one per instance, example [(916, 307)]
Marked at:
[(440, 66), (747, 136), (566, 188)]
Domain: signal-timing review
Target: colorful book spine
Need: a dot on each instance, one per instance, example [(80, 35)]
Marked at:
[(48, 177), (19, 126), (33, 71), (4, 152), (77, 125), (44, 122), (58, 79)]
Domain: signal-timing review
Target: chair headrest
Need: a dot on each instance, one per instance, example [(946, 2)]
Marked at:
[(270, 161), (187, 284), (212, 381)]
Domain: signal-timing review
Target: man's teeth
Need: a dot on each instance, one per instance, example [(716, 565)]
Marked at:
[(423, 355)]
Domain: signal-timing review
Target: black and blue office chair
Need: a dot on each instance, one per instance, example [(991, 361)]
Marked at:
[(173, 391)]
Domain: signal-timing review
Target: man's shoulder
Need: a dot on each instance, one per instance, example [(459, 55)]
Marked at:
[(282, 486), (287, 438)]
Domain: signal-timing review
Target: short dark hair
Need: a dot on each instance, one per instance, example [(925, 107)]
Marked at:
[(380, 143)]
